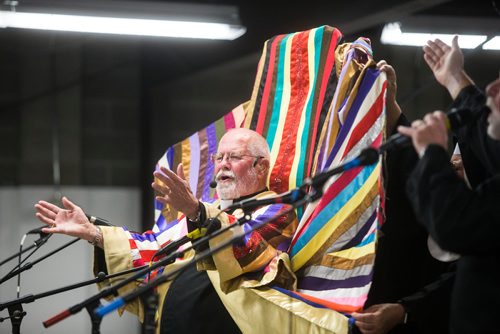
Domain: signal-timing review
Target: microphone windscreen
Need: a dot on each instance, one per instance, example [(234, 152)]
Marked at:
[(213, 225), (368, 156), (98, 221), (213, 184), (37, 230)]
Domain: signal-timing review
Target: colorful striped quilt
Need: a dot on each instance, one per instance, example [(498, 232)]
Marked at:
[(318, 103), (334, 247)]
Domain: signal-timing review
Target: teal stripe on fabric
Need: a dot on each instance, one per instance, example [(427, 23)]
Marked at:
[(367, 240), (275, 113), (330, 210), (318, 38)]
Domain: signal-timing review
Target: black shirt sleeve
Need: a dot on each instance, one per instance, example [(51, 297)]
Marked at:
[(480, 153), (461, 220)]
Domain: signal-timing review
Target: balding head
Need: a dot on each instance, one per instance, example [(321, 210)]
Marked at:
[(249, 140)]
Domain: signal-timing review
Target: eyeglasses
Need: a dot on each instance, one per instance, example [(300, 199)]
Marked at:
[(231, 157)]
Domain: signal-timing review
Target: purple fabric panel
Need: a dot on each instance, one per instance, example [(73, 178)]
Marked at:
[(212, 148), (368, 81), (321, 284), (194, 162)]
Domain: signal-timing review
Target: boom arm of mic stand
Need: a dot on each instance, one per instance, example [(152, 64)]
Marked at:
[(113, 290), (28, 265), (36, 243), (16, 304), (121, 301), (168, 259), (368, 156)]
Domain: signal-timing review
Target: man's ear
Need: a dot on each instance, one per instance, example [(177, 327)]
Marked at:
[(263, 165)]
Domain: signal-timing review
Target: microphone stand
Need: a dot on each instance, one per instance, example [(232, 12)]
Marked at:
[(113, 290), (121, 301), (367, 157), (16, 315), (43, 239), (36, 243), (16, 312), (28, 265)]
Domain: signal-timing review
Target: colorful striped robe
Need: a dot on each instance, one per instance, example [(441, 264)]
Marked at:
[(317, 103)]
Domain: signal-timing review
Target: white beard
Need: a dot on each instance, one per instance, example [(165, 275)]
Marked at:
[(227, 190), (234, 188)]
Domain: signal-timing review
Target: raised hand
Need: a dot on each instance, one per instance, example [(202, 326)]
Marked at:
[(393, 109), (70, 220), (173, 189), (431, 130), (447, 64)]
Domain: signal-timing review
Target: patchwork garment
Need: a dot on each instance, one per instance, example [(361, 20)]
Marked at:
[(318, 103)]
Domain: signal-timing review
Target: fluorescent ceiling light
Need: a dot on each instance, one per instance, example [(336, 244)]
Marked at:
[(492, 44), (417, 30), (121, 26), (171, 20), (392, 34)]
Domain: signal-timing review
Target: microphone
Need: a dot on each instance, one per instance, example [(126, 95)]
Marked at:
[(366, 157), (211, 226), (456, 118), (37, 230), (213, 183), (288, 197), (98, 221)]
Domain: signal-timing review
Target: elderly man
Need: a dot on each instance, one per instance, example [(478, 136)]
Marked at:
[(190, 303), (461, 220)]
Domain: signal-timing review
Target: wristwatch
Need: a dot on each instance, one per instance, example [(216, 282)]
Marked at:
[(97, 240)]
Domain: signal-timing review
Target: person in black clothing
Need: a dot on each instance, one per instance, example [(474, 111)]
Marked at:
[(427, 309), (480, 153), (460, 219)]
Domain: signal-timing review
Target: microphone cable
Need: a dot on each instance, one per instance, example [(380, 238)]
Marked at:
[(37, 243), (40, 242), (18, 288)]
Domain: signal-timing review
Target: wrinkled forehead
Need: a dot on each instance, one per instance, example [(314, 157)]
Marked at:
[(233, 142)]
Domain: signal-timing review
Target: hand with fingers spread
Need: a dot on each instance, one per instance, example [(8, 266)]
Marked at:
[(431, 130), (174, 190), (447, 64), (70, 220), (393, 109)]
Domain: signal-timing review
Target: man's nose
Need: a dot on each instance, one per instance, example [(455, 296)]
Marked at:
[(224, 165)]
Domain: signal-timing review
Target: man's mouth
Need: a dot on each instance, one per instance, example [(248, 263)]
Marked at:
[(225, 178)]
